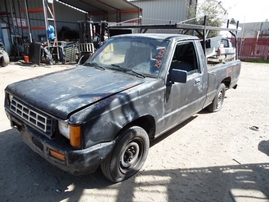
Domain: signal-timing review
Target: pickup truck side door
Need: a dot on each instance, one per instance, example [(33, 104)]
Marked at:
[(182, 100)]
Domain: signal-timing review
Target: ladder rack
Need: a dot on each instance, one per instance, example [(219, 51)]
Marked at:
[(201, 30)]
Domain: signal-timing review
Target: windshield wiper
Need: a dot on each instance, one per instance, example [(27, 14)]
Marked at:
[(137, 73), (115, 65), (95, 65), (128, 70)]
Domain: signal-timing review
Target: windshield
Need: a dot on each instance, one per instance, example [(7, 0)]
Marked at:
[(141, 56)]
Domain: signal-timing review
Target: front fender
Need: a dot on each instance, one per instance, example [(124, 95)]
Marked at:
[(102, 121)]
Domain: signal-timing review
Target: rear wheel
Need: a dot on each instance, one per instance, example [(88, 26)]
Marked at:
[(128, 156), (217, 102)]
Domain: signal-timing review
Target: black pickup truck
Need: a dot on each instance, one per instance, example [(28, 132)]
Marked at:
[(105, 112)]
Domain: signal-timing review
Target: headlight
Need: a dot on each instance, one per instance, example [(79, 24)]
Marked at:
[(64, 129), (73, 133), (10, 98)]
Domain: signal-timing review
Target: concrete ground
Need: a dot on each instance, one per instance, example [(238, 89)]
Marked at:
[(210, 157)]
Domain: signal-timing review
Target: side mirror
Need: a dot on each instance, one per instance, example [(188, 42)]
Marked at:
[(177, 75)]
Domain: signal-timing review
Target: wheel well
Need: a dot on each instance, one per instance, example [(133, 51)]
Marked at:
[(227, 82), (147, 123)]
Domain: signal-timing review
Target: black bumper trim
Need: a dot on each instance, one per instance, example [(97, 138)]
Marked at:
[(77, 162)]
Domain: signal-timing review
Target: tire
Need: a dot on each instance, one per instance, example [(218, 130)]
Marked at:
[(128, 155), (217, 102), (4, 59)]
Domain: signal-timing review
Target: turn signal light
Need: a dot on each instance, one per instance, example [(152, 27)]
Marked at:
[(57, 155), (75, 136)]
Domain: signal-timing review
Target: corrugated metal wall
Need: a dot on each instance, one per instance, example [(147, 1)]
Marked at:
[(154, 12), (65, 16), (162, 12), (113, 16)]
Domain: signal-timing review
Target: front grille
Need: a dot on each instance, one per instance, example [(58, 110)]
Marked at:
[(37, 119)]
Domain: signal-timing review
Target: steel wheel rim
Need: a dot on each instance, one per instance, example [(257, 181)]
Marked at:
[(130, 156)]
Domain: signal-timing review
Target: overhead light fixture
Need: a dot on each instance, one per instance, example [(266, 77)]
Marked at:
[(73, 7)]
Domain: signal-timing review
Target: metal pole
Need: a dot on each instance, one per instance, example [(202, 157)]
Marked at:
[(46, 19), (19, 7), (54, 22), (8, 20), (55, 30), (204, 34), (236, 40), (14, 31), (28, 21)]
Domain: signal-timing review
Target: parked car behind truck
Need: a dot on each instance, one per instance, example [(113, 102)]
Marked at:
[(224, 52), (105, 112)]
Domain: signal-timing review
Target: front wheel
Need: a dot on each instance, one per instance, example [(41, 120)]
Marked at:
[(128, 155), (217, 102)]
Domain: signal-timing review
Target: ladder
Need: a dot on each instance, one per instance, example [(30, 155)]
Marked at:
[(49, 15), (48, 8)]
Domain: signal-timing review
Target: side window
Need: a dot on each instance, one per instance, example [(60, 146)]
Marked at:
[(184, 58), (225, 43)]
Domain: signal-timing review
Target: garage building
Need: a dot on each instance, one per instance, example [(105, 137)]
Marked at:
[(26, 20)]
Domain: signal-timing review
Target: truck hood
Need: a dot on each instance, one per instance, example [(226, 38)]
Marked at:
[(61, 93)]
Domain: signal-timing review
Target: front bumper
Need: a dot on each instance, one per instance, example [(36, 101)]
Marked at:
[(76, 162)]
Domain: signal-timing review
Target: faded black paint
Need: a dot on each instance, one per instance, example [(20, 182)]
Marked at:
[(105, 101)]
